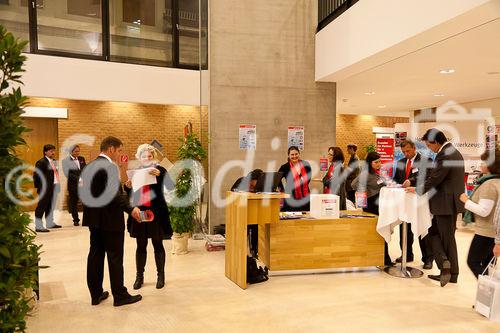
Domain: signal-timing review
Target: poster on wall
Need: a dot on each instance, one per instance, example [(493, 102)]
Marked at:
[(385, 148), (296, 136), (248, 137)]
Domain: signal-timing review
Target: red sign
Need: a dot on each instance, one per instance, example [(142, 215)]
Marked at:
[(124, 159), (385, 148), (323, 164)]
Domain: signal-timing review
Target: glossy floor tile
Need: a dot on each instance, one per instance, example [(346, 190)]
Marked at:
[(198, 298)]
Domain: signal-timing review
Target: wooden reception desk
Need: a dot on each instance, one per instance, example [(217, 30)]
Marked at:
[(297, 244)]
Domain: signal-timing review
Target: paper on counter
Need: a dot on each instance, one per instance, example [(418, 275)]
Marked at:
[(141, 177)]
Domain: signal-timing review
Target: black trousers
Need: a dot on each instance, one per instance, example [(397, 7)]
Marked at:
[(351, 195), (108, 243), (444, 245), (480, 254), (73, 205), (253, 237), (142, 244), (372, 207), (45, 206), (424, 243)]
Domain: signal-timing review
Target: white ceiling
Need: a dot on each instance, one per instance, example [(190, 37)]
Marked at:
[(410, 82)]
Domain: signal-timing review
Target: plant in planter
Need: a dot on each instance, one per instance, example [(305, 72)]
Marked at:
[(189, 177), (19, 254)]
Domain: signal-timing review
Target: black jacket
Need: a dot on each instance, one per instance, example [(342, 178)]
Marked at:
[(445, 182), (105, 213), (418, 170), (290, 203), (44, 174), (72, 172), (336, 183)]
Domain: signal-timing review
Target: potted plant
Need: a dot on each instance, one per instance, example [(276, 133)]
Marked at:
[(188, 173), (19, 254)]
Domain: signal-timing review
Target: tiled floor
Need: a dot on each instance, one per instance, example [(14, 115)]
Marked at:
[(198, 297)]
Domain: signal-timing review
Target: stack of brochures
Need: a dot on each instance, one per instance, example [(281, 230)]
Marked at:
[(291, 215), (215, 242)]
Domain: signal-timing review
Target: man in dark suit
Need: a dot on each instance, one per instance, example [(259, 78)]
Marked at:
[(72, 168), (444, 185), (46, 181), (353, 169), (103, 205), (408, 171)]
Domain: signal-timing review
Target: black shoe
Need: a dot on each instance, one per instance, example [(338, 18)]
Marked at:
[(438, 278), (445, 273), (408, 259), (42, 230), (76, 223), (130, 299), (55, 226), (427, 265), (101, 298), (139, 280), (160, 281), (389, 264)]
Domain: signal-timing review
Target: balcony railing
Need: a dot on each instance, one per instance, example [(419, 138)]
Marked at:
[(329, 10)]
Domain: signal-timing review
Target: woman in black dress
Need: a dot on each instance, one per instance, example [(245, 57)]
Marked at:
[(297, 174), (334, 180), (150, 197)]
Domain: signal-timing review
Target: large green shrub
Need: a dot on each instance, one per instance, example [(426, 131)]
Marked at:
[(182, 217), (18, 253)]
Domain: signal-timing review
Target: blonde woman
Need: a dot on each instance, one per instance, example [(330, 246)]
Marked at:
[(150, 197)]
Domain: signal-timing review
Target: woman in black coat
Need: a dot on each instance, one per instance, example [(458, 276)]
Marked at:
[(334, 180), (297, 174), (150, 197)]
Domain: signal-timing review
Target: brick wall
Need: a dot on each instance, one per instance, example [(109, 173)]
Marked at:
[(358, 130), (133, 123)]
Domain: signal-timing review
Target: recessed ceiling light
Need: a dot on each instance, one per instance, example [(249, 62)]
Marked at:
[(447, 71), (382, 106), (438, 95), (370, 93), (493, 73)]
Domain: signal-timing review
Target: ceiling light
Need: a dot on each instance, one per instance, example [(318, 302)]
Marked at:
[(382, 106), (370, 93), (447, 71), (438, 95), (493, 73)]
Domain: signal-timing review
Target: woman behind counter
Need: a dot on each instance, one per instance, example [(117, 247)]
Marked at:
[(481, 209), (334, 181), (297, 174), (150, 197), (370, 181)]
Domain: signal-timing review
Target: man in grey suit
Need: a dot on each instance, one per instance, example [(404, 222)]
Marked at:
[(444, 185)]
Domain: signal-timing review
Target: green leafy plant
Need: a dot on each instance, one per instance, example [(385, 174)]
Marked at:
[(370, 148), (19, 254), (183, 217)]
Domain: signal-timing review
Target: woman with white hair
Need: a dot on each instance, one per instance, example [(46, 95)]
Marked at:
[(150, 197)]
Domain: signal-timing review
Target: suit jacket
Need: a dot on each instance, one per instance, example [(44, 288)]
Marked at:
[(446, 178), (103, 215), (44, 170), (418, 169), (353, 166), (72, 172)]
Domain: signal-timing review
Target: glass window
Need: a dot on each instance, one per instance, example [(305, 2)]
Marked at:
[(188, 32), (15, 19), (62, 30), (90, 8), (141, 32)]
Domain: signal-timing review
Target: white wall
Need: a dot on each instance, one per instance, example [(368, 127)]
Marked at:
[(59, 77), (372, 26)]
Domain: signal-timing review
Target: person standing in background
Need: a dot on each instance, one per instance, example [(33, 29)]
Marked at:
[(46, 181), (353, 168), (72, 168), (334, 181)]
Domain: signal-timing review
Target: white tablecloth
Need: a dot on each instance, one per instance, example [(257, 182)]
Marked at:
[(396, 206)]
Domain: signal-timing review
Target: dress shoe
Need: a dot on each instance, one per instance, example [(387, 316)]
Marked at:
[(101, 298), (427, 265), (55, 226), (445, 273), (76, 223), (127, 300), (438, 278), (408, 259), (42, 230), (389, 264)]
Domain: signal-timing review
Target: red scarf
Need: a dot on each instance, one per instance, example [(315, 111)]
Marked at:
[(145, 198), (327, 189), (300, 190)]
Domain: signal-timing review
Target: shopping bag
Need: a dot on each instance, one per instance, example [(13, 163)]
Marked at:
[(488, 295)]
